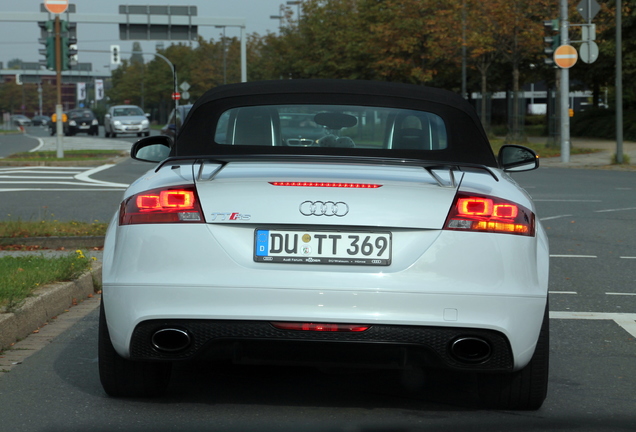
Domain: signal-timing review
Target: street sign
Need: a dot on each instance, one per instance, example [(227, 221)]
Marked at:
[(588, 51), (176, 96), (565, 56), (56, 6), (588, 9), (185, 86)]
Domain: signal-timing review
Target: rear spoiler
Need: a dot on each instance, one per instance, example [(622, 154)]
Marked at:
[(428, 165)]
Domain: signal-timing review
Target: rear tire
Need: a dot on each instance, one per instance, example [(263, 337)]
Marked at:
[(525, 389), (126, 378), (113, 134)]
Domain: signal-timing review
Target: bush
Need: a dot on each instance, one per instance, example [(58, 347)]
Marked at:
[(601, 123)]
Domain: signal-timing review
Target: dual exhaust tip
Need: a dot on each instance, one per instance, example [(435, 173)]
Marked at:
[(171, 340), (470, 349), (465, 349)]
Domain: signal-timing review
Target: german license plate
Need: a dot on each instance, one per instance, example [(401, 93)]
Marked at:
[(322, 247)]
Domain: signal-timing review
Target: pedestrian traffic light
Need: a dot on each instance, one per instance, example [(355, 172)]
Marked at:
[(47, 37), (553, 40), (68, 34), (115, 58)]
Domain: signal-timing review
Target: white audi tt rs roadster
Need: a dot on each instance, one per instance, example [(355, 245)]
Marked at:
[(328, 223)]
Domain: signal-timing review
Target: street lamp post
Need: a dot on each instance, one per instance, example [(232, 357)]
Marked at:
[(280, 20), (296, 3), (224, 56)]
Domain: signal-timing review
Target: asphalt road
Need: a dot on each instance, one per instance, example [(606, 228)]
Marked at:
[(80, 193), (590, 216)]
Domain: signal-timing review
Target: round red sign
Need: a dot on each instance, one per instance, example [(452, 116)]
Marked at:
[(176, 96), (565, 56), (56, 6)]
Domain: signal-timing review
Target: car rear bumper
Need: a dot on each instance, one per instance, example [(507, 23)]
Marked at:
[(91, 130), (135, 313), (259, 342), (450, 281), (130, 129)]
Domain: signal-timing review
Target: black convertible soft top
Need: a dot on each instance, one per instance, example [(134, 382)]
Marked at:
[(467, 140)]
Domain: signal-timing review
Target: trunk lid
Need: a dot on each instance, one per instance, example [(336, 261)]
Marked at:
[(407, 196)]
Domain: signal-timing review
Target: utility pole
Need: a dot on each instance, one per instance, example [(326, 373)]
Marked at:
[(619, 82), (564, 107), (59, 128)]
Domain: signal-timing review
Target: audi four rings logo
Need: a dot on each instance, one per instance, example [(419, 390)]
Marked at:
[(324, 208)]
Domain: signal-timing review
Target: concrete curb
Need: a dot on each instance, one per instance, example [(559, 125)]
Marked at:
[(46, 303)]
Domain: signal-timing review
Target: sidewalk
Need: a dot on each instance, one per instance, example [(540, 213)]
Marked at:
[(597, 160)]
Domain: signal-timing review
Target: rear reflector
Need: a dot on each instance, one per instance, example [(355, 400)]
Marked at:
[(168, 205), (321, 327), (328, 184), (488, 214)]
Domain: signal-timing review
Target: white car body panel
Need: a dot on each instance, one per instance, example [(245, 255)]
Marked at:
[(437, 277)]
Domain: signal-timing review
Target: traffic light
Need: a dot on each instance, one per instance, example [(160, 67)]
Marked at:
[(553, 41), (115, 57), (47, 37), (68, 36)]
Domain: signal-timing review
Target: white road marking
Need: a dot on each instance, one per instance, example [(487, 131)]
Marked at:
[(85, 177), (615, 210), (564, 200), (39, 177), (573, 256), (56, 176), (96, 189), (554, 217), (625, 320), (563, 292), (620, 294), (634, 257)]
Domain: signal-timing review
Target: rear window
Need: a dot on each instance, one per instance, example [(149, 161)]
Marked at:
[(81, 114), (127, 111), (332, 126)]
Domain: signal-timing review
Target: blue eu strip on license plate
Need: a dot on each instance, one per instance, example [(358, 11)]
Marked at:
[(322, 247)]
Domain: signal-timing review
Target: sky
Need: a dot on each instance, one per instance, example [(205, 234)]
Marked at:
[(20, 40)]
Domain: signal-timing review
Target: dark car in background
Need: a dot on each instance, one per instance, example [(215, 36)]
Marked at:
[(176, 119), (81, 120), (41, 120)]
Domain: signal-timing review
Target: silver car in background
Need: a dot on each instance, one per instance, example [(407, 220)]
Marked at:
[(126, 119)]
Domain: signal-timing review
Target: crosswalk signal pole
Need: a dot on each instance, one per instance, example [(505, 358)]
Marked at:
[(565, 89), (58, 106)]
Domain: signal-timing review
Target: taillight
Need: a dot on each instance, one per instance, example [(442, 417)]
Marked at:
[(488, 214), (321, 327), (166, 205)]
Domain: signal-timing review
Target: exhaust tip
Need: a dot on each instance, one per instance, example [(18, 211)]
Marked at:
[(469, 349), (171, 340)]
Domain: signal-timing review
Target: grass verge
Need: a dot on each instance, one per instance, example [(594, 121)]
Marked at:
[(21, 276), (48, 228), (69, 155)]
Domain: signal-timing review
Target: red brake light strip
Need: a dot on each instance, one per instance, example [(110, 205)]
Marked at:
[(327, 184), (321, 327)]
